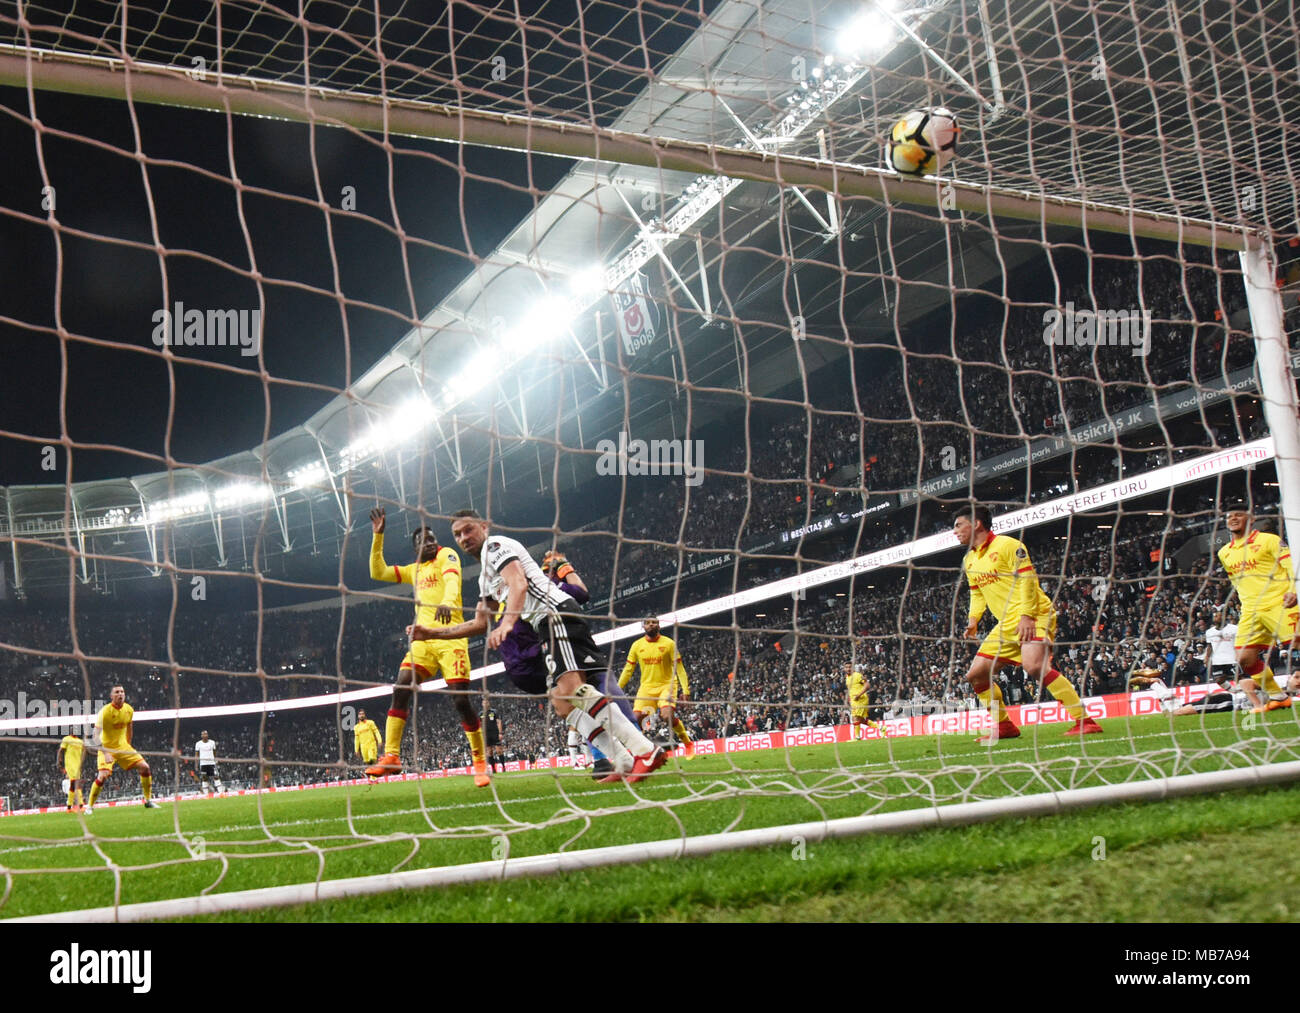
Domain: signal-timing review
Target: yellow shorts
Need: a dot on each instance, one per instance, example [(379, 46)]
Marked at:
[(1261, 629), (429, 658), (859, 713), (369, 755), (73, 775), (655, 695), (1002, 643), (125, 757)]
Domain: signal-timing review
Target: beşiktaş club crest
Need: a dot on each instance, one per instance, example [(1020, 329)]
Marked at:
[(637, 315)]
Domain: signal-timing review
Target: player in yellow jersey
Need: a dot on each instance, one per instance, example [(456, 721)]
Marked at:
[(859, 703), (1002, 580), (1259, 565), (114, 730), (365, 738), (436, 577), (662, 672), (71, 751)]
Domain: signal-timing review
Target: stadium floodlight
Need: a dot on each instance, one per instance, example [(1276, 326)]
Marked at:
[(410, 417), (308, 474), (590, 281), (115, 518), (473, 377), (870, 34), (354, 452), (178, 506), (544, 321), (415, 413), (240, 494)]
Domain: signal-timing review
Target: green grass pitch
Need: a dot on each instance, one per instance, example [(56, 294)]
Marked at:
[(1030, 868)]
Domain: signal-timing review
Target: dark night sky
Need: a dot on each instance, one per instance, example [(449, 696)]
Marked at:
[(110, 292)]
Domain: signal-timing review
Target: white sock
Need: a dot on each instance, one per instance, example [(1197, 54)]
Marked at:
[(595, 731), (575, 745), (627, 732)]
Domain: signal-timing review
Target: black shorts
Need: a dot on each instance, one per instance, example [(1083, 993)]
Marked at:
[(1223, 673), (207, 770), (490, 736), (1215, 702), (568, 647)]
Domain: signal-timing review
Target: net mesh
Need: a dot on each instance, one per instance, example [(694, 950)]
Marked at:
[(744, 408)]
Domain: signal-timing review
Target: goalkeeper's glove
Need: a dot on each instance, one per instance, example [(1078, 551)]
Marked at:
[(556, 566)]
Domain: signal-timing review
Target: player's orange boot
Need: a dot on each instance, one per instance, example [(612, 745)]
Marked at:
[(1084, 726), (389, 763), (690, 751), (481, 779), (1275, 705), (1007, 729), (646, 764)]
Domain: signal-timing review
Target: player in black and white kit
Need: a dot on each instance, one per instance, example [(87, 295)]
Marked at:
[(206, 750), (1220, 654), (1225, 698), (509, 574)]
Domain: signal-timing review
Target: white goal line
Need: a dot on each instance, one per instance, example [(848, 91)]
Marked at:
[(1111, 494)]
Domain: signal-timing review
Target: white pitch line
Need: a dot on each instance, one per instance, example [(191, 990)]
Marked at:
[(74, 842)]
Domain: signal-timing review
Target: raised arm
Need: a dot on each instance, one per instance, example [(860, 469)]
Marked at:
[(561, 571), (379, 569)]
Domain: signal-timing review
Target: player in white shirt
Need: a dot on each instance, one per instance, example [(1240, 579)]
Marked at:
[(509, 574), (1220, 654), (206, 750)]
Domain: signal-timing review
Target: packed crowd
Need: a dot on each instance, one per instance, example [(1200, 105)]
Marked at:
[(913, 418)]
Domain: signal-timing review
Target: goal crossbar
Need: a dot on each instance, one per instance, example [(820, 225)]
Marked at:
[(136, 81)]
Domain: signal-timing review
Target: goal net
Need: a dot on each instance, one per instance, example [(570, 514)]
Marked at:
[(641, 285)]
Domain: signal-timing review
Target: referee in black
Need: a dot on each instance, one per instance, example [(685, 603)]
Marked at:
[(492, 738)]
